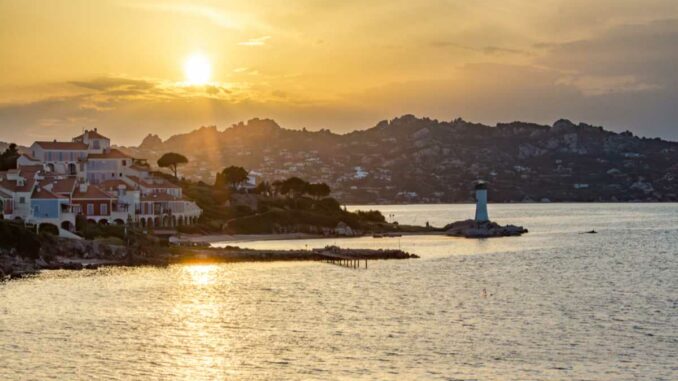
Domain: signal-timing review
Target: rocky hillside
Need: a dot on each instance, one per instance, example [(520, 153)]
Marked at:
[(409, 159)]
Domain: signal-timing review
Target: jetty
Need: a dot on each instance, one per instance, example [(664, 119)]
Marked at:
[(350, 258), (342, 260)]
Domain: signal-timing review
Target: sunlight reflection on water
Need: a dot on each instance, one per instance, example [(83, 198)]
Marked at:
[(557, 305)]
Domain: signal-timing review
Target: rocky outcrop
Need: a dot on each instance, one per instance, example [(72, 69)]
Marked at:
[(474, 229), (13, 266), (68, 254), (151, 142), (85, 249)]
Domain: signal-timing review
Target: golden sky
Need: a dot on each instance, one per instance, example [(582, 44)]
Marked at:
[(119, 64)]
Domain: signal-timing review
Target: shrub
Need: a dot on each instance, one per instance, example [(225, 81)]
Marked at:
[(49, 229), (371, 215), (16, 236), (111, 241)]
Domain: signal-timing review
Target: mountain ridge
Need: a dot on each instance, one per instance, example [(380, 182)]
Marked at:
[(411, 159)]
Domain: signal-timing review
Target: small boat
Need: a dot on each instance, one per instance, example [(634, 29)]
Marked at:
[(377, 236)]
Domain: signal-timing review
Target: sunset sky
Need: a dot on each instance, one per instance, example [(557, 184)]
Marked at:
[(138, 67)]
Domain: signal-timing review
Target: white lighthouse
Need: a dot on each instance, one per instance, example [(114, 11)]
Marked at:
[(481, 202)]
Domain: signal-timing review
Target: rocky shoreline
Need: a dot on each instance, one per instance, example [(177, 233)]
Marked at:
[(68, 254), (236, 254), (486, 229)]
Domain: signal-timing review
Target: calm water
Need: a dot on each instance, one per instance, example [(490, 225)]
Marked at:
[(558, 305)]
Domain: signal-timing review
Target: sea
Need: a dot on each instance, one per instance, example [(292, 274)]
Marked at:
[(555, 304)]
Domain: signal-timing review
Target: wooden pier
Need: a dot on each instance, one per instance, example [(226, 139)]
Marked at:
[(342, 260), (349, 258)]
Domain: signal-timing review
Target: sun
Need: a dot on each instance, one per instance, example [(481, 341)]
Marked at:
[(197, 69)]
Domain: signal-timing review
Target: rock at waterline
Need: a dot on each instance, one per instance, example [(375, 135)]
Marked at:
[(485, 229)]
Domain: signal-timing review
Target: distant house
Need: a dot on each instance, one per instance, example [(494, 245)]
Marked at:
[(360, 173), (342, 229), (110, 164), (48, 207), (60, 157), (92, 202)]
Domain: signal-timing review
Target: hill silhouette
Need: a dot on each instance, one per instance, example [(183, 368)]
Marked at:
[(410, 159)]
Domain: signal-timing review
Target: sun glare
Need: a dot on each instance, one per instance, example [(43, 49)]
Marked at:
[(197, 69)]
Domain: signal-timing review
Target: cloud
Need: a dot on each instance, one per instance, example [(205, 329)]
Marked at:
[(601, 85), (228, 20), (114, 83), (491, 93), (488, 50), (609, 62), (629, 57), (486, 93), (260, 41)]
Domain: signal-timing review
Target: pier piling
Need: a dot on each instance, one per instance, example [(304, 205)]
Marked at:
[(341, 260)]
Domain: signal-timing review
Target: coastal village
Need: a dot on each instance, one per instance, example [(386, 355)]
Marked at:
[(56, 181)]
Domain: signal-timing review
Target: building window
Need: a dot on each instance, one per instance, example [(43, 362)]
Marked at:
[(49, 155), (22, 200), (124, 163), (90, 209), (61, 156), (96, 144), (104, 209)]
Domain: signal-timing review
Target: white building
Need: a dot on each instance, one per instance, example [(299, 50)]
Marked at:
[(481, 202), (56, 181)]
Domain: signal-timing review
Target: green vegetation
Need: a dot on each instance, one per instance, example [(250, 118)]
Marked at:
[(15, 236), (9, 157), (296, 187), (290, 205), (232, 175), (90, 230), (172, 160), (49, 229)]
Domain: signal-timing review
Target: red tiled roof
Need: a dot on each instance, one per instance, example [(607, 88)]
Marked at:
[(64, 146), (30, 169), (155, 183), (110, 154), (92, 134), (12, 186), (92, 192), (112, 184), (44, 194), (64, 185)]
